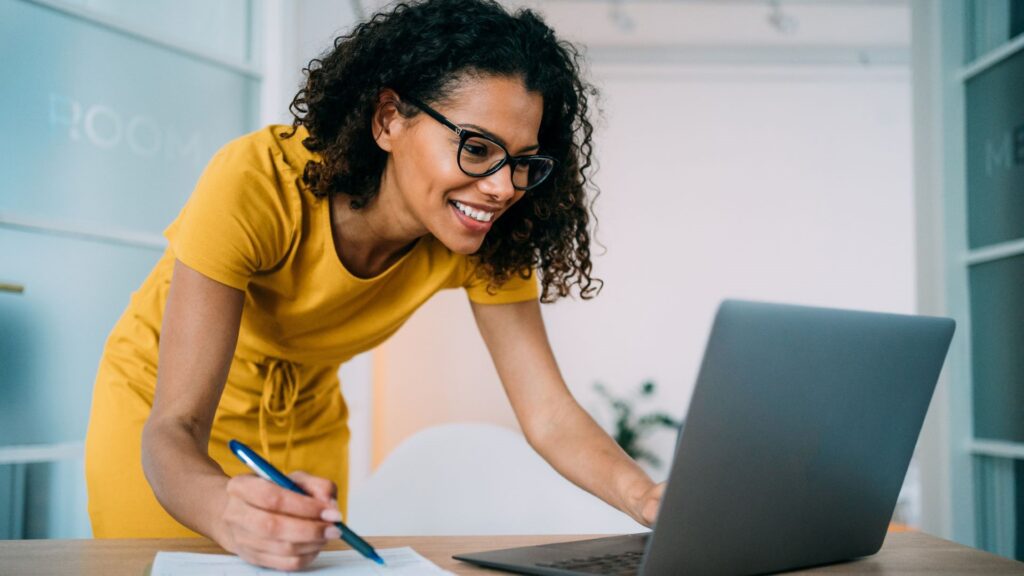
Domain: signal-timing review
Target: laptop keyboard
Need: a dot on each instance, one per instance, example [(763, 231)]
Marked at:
[(625, 564)]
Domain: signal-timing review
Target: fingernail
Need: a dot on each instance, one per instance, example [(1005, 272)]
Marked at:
[(331, 515), (332, 533)]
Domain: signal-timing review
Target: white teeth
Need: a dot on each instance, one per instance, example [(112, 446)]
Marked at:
[(478, 215)]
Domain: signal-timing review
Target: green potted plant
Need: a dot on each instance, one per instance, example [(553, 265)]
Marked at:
[(630, 428)]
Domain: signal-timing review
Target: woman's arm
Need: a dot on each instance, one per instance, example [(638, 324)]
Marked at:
[(261, 522), (554, 423)]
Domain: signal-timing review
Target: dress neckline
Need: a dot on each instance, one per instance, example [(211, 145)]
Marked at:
[(331, 248)]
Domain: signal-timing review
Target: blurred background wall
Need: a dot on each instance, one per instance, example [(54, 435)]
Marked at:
[(771, 150), (746, 149)]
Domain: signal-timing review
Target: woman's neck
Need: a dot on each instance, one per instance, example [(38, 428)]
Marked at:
[(369, 240)]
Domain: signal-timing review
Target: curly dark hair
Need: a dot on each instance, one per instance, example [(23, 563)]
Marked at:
[(424, 50)]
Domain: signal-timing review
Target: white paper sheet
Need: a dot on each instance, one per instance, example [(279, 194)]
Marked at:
[(340, 562)]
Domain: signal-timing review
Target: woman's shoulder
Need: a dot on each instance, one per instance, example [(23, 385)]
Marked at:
[(262, 166), (274, 147), (247, 210)]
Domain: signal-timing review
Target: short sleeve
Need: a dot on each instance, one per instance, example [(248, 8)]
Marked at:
[(238, 221), (516, 289)]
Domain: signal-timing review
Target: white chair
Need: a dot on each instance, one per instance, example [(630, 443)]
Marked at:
[(468, 479)]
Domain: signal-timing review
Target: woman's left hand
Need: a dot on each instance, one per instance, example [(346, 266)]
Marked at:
[(646, 507)]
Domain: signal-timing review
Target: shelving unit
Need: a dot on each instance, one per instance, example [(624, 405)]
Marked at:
[(982, 116)]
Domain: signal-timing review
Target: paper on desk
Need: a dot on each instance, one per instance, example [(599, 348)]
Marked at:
[(341, 562)]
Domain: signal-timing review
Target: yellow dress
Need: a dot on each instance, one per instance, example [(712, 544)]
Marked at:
[(252, 224)]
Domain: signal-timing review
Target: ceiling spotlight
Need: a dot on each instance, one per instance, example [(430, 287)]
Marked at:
[(782, 23), (618, 16)]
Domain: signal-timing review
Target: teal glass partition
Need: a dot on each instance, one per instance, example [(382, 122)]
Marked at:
[(111, 110), (103, 129), (997, 330), (991, 24), (52, 334), (995, 153), (981, 88), (217, 27)]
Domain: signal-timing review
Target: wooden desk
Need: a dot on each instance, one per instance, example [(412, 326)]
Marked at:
[(903, 553)]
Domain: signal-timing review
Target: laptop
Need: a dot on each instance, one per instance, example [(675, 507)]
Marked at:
[(796, 443)]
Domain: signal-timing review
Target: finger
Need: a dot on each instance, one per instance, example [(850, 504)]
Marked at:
[(653, 503), (268, 496), (317, 487), (285, 563), (659, 490), (257, 542), (650, 512), (274, 526)]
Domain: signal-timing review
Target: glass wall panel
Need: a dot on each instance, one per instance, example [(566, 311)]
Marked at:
[(115, 136), (51, 336), (1019, 512), (56, 504), (44, 500), (216, 27), (12, 501), (997, 331), (995, 153), (992, 23), (997, 484), (106, 132)]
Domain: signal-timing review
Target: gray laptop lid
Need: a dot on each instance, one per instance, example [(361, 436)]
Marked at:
[(797, 439)]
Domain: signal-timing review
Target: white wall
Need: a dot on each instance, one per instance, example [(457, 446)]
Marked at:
[(765, 184), (293, 33), (775, 182), (734, 163)]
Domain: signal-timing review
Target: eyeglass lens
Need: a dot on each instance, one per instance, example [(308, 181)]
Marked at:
[(480, 156)]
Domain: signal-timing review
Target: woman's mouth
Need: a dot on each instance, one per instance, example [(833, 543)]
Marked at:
[(474, 213), (474, 219)]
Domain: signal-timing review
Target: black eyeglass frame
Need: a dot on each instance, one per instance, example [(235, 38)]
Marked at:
[(465, 134)]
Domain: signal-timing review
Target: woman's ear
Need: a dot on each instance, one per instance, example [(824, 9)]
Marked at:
[(387, 121)]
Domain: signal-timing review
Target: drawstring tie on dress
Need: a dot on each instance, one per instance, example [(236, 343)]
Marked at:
[(280, 391)]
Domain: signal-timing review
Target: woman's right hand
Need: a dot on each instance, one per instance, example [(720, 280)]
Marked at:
[(270, 526)]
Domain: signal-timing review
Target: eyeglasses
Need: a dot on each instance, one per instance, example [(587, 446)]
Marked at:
[(480, 155)]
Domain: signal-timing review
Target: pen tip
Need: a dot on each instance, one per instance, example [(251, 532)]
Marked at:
[(380, 561)]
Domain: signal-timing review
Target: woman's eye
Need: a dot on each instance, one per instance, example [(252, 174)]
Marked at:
[(475, 149)]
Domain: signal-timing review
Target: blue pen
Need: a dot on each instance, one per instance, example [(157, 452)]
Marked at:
[(266, 471)]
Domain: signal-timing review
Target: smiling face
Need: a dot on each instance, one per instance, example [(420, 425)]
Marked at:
[(423, 187)]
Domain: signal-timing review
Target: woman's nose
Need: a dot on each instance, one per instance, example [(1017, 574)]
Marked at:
[(498, 185)]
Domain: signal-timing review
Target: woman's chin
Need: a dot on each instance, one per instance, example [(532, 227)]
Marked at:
[(464, 246), (459, 243)]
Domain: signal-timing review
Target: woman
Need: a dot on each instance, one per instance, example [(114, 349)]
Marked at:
[(441, 145)]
